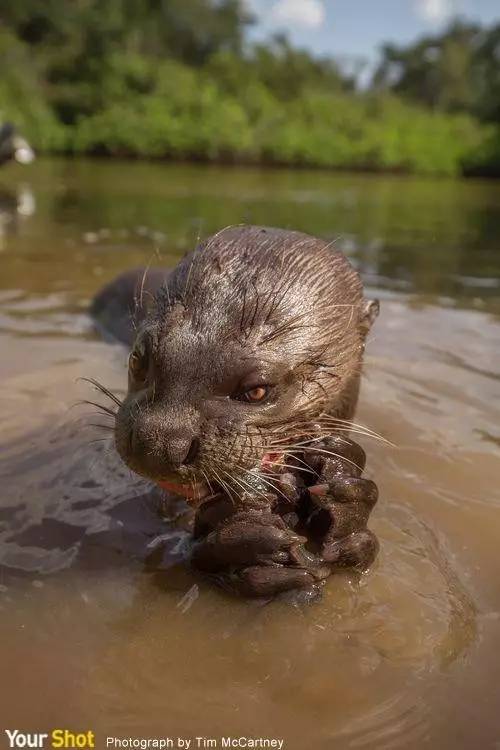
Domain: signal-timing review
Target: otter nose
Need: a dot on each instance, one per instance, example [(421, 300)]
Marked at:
[(158, 443), (181, 450)]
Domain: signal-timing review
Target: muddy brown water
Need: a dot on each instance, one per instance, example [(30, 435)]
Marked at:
[(102, 627)]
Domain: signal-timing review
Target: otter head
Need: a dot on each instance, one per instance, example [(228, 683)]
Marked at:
[(254, 341)]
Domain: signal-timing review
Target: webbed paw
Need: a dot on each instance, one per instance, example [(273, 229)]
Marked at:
[(246, 538), (340, 503), (253, 546), (258, 581)]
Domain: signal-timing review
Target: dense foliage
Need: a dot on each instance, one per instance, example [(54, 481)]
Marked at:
[(176, 79)]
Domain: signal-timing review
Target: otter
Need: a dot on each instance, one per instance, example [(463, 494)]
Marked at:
[(13, 146), (243, 379)]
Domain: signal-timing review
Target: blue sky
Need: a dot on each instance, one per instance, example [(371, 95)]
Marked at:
[(358, 27)]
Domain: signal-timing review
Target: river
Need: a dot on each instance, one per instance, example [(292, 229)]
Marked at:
[(102, 627)]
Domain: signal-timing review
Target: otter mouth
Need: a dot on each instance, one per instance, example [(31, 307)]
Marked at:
[(272, 462), (193, 491), (196, 492)]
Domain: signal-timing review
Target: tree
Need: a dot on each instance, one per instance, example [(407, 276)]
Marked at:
[(457, 71)]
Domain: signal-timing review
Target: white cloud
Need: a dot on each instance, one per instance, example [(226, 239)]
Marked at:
[(435, 11), (253, 6), (310, 13)]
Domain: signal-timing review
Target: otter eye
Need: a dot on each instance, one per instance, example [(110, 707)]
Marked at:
[(255, 395), (138, 363)]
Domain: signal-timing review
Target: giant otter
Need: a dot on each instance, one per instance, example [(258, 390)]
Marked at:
[(243, 380), (14, 146)]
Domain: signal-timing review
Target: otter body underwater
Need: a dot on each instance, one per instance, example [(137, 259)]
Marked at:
[(243, 380)]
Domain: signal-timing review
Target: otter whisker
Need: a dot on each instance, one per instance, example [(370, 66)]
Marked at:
[(186, 286), (91, 415), (293, 455), (262, 478), (213, 469), (224, 484), (305, 437), (332, 242), (340, 425), (347, 426), (288, 466), (148, 294), (343, 421), (315, 449), (272, 484), (193, 486), (164, 291), (103, 389), (246, 487), (143, 280), (101, 407), (231, 447), (301, 446), (285, 452), (207, 480), (366, 433)]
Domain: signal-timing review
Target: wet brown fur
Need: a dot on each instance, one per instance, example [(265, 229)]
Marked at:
[(248, 301)]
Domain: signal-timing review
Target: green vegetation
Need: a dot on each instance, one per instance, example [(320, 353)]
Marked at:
[(176, 80)]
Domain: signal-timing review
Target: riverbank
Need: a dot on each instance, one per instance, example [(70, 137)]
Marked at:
[(268, 105), (197, 122)]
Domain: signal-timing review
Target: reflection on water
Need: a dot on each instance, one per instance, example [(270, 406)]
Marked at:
[(438, 239), (103, 626), (15, 207)]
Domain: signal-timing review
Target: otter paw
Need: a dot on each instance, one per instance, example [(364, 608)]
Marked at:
[(337, 516), (334, 456), (211, 514), (340, 507), (245, 539), (358, 550), (266, 582)]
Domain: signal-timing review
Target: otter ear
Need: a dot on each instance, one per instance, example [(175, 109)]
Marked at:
[(370, 311)]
